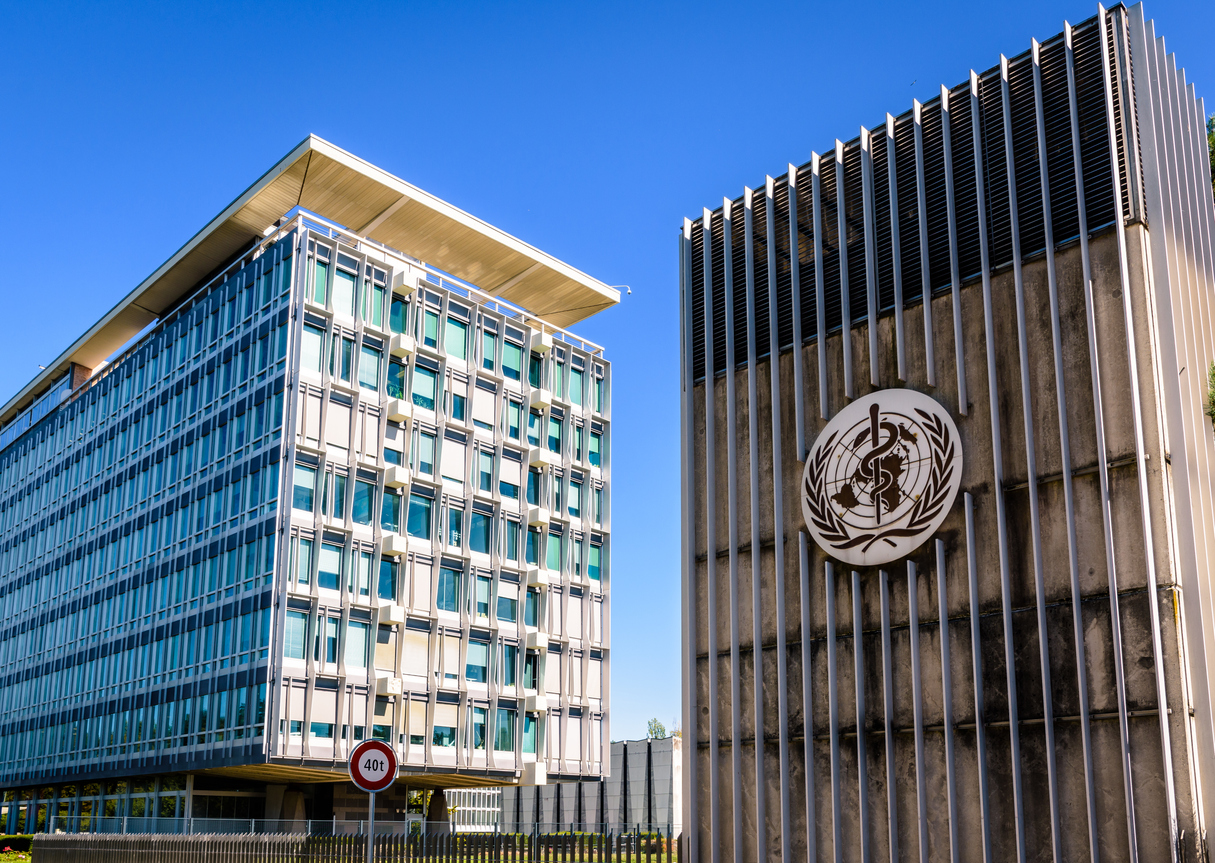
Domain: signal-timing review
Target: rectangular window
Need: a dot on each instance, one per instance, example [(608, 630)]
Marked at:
[(396, 380), (448, 597), (533, 487), (303, 563), (576, 434), (531, 670), (483, 585), (386, 585), (296, 635), (512, 540), (426, 453), (531, 608), (478, 533), (533, 428), (508, 608), (430, 329), (535, 369), (553, 554), (576, 387), (509, 490), (512, 360), (455, 339), (425, 388), (369, 369), (356, 643), (397, 315), (338, 510), (322, 730), (529, 734), (504, 732), (598, 506), (329, 573), (575, 499), (477, 666), (419, 516), (593, 562), (377, 305), (485, 471), (596, 443), (341, 358), (478, 727), (321, 282), (510, 661), (390, 510), (459, 404), (455, 524), (489, 345), (532, 552), (514, 412), (364, 502), (311, 350), (343, 293), (327, 649), (304, 494), (554, 434)]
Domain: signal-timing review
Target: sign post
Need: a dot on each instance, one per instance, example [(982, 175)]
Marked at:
[(373, 767)]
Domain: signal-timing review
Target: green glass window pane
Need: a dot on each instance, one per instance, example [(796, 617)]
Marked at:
[(553, 555), (455, 527), (397, 315), (554, 434), (576, 499), (576, 387), (311, 348), (478, 533), (419, 516), (430, 329), (508, 608), (330, 566), (477, 662), (559, 380), (356, 643), (531, 611), (514, 412), (510, 662), (455, 339), (377, 305), (303, 561), (593, 453), (512, 360), (396, 380), (535, 368), (320, 282), (343, 293), (364, 502), (504, 733), (478, 724), (425, 386), (297, 629), (486, 470), (512, 539), (489, 347), (304, 493), (593, 567), (448, 593), (369, 369), (529, 734), (386, 586), (533, 428), (426, 453), (390, 511)]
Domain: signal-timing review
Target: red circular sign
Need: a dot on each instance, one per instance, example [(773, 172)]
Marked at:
[(373, 765)]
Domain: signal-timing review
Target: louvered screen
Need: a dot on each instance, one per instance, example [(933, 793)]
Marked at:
[(909, 207), (937, 203), (965, 200), (738, 276), (717, 233), (1025, 155), (759, 250), (883, 259), (1056, 116), (805, 251), (999, 223), (1119, 121), (1094, 140), (696, 284), (854, 217), (783, 277), (831, 252)]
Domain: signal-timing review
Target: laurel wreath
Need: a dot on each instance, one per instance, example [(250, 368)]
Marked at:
[(936, 493)]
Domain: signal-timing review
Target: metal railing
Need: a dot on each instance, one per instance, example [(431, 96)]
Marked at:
[(139, 824), (351, 848)]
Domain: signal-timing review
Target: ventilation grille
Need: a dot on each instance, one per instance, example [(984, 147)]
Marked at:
[(717, 229), (1094, 133), (696, 284), (909, 206), (738, 275), (937, 204), (831, 249), (784, 275), (759, 258), (995, 174), (883, 258), (1061, 172), (805, 252), (854, 222), (1025, 156), (965, 197)]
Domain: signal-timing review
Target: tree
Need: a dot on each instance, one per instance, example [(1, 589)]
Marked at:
[(655, 729)]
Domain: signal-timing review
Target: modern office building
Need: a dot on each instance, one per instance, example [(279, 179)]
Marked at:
[(948, 477), (336, 470)]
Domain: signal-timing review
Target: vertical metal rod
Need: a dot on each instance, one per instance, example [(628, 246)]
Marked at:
[(778, 527), (998, 475), (371, 827), (917, 682), (690, 788), (1069, 504), (925, 273), (951, 790), (732, 515), (858, 679), (799, 406), (1141, 467), (976, 658), (955, 272), (895, 249), (888, 718), (841, 222), (710, 503), (803, 551), (820, 316), (757, 653), (870, 264), (834, 714)]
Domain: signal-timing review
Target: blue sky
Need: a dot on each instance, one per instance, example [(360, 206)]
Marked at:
[(588, 130)]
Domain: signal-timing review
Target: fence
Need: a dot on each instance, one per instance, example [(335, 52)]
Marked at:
[(350, 848), (327, 827)]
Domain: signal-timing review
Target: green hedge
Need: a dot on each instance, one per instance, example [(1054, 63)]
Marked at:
[(16, 843)]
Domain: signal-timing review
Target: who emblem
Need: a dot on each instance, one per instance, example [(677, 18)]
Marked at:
[(881, 477)]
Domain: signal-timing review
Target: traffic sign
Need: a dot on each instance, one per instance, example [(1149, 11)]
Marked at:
[(373, 766)]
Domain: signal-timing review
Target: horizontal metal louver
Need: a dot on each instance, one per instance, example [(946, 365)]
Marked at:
[(854, 219), (717, 234), (696, 284), (805, 252), (965, 199), (759, 251), (831, 252), (909, 206), (1056, 118), (784, 274), (738, 275), (1025, 155), (1130, 165), (999, 222), (937, 203), (1094, 135), (883, 258)]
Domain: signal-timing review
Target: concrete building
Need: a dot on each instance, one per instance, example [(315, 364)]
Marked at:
[(644, 791), (335, 470), (948, 487)]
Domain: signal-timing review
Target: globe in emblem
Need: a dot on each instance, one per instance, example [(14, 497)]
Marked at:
[(881, 477)]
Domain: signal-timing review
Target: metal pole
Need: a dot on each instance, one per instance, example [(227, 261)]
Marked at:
[(371, 827)]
